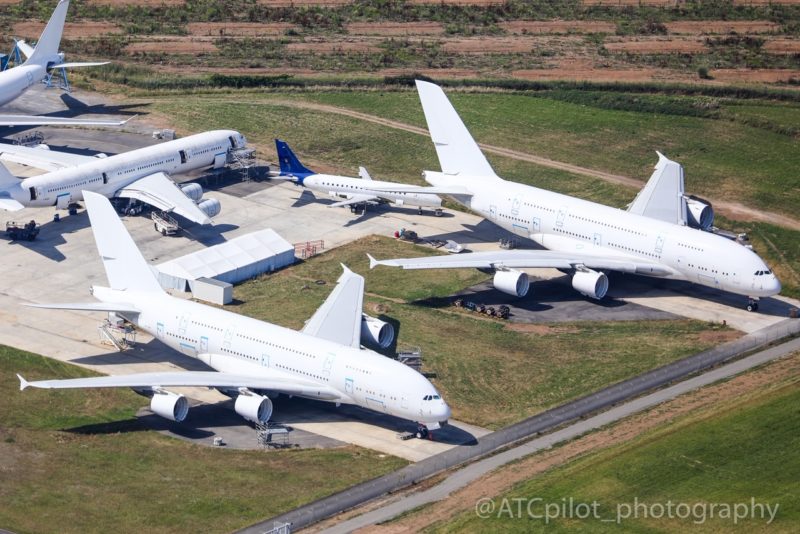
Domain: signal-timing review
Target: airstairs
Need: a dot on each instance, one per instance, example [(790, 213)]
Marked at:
[(241, 160)]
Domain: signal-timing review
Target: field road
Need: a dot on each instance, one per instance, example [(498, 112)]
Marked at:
[(732, 210), (472, 472)]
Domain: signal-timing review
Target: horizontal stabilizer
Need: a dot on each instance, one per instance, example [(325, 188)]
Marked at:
[(74, 64), (25, 48), (118, 307)]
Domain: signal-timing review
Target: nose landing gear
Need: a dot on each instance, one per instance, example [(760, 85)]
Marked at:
[(422, 432), (752, 305)]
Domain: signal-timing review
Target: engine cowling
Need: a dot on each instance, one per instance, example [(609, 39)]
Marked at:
[(700, 212), (254, 408), (169, 405), (193, 191), (590, 283), (512, 282), (376, 332), (210, 207)]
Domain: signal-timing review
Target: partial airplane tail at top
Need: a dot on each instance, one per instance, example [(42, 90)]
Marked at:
[(457, 150), (46, 50), (125, 266), (7, 182), (290, 165)]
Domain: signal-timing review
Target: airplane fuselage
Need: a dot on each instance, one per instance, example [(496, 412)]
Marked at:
[(346, 187), (108, 175), (568, 224), (15, 81), (233, 343)]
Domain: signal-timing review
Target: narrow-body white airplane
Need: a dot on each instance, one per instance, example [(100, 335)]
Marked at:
[(659, 235), (355, 191), (252, 359), (40, 62), (142, 174)]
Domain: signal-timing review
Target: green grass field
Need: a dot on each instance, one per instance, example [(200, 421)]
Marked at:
[(729, 453), (490, 375), (115, 475)]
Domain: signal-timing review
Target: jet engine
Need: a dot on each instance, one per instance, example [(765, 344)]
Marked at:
[(254, 408), (169, 405), (590, 283), (210, 206), (512, 282), (193, 191), (700, 213), (376, 332)]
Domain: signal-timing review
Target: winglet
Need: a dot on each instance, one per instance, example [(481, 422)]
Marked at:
[(345, 269), (372, 261), (22, 382)]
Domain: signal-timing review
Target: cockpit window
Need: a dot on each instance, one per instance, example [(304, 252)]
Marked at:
[(436, 397), (763, 273), (431, 397)]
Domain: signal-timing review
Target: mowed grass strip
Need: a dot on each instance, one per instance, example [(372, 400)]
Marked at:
[(77, 461), (742, 450), (491, 374)]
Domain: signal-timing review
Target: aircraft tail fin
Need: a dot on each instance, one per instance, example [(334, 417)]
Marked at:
[(125, 266), (290, 165), (7, 182), (50, 40), (457, 150)]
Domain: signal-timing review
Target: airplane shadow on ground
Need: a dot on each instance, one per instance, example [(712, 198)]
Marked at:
[(480, 233), (51, 235)]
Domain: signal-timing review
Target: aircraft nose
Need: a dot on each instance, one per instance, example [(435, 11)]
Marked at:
[(774, 285), (442, 412)]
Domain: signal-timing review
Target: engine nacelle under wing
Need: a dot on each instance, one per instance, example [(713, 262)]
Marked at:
[(210, 207), (169, 405), (254, 408), (512, 282), (700, 213), (193, 191), (590, 283), (376, 332)]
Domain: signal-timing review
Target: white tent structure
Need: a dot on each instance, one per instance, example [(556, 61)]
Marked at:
[(233, 261)]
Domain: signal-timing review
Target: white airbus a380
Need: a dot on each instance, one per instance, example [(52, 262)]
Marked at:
[(41, 61), (251, 358), (354, 191), (661, 234), (142, 174)]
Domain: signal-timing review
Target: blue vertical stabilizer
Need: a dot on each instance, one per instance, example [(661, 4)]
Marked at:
[(290, 165)]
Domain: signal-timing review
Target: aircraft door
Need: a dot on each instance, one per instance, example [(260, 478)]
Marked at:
[(33, 193), (220, 160), (63, 200), (659, 244), (562, 215), (160, 330), (515, 204), (598, 240), (264, 360), (203, 344), (493, 213), (184, 158), (536, 225), (348, 386)]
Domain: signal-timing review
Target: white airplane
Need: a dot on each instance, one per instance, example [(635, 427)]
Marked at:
[(355, 191), (141, 174), (40, 63), (659, 235), (252, 359)]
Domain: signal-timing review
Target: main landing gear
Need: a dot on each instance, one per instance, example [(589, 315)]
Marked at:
[(752, 305)]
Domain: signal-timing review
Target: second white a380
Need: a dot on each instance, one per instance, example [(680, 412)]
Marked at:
[(654, 237)]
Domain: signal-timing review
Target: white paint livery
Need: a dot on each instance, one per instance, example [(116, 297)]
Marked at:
[(652, 238), (252, 358), (141, 174)]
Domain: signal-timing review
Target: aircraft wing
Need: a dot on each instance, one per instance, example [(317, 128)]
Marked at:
[(662, 197), (46, 160), (37, 120), (525, 259), (191, 379), (160, 191), (118, 307), (355, 199), (339, 317)]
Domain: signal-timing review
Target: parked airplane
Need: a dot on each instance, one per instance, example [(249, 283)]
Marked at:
[(40, 63), (252, 359), (355, 191), (141, 174), (661, 234)]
